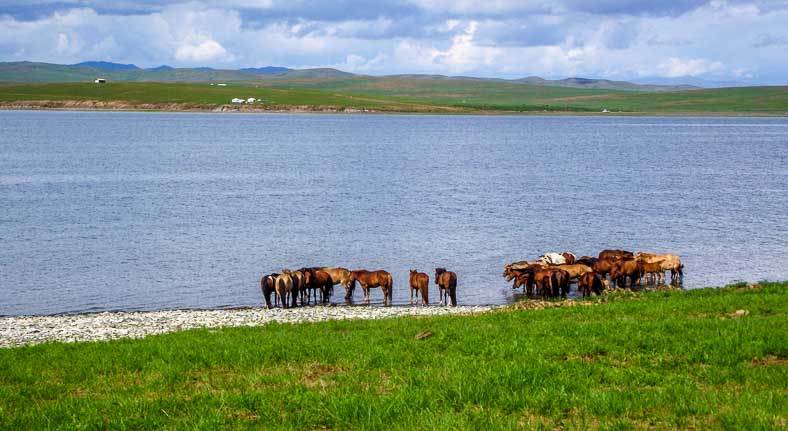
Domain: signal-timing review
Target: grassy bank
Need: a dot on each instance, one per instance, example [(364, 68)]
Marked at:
[(656, 360), (414, 95)]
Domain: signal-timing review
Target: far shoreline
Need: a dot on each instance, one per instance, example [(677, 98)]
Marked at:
[(124, 106)]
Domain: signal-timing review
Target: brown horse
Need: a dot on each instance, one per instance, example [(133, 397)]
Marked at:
[(419, 282), (340, 276), (549, 282), (559, 282), (652, 271), (447, 286), (298, 287), (603, 266), (575, 271), (615, 254), (318, 280), (524, 280), (513, 272), (267, 286), (569, 257), (590, 282), (370, 279), (624, 268), (283, 286)]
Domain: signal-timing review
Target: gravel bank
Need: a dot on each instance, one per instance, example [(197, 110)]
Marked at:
[(18, 331)]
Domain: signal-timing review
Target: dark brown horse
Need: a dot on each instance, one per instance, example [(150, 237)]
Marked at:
[(590, 282), (615, 254), (560, 282), (316, 280), (267, 287), (419, 282), (570, 257), (447, 286), (370, 279), (587, 260), (624, 268)]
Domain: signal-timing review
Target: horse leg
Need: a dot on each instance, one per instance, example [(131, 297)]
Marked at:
[(411, 295)]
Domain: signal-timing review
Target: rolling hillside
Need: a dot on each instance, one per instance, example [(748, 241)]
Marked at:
[(404, 95)]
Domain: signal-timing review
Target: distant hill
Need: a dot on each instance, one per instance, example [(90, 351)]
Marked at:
[(26, 71), (105, 65), (601, 84), (321, 73), (268, 70)]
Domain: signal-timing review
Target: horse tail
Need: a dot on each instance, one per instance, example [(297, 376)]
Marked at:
[(390, 283)]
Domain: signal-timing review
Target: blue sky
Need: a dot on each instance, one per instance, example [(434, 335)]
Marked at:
[(718, 40)]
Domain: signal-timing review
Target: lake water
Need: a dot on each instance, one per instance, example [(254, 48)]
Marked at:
[(144, 211)]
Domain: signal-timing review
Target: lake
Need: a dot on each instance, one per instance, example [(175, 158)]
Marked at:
[(145, 211)]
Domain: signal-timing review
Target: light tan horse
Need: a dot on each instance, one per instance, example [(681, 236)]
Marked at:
[(284, 286), (298, 287), (340, 276), (419, 282), (668, 262), (370, 279)]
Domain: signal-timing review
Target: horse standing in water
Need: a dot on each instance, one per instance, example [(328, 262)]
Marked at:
[(419, 282), (267, 286), (298, 287), (340, 276), (447, 286), (284, 286), (318, 280), (590, 282), (370, 279)]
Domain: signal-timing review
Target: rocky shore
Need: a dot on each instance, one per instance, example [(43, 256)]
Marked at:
[(24, 330), (120, 105)]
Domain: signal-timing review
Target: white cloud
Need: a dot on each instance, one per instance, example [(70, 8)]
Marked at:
[(203, 51), (614, 39), (678, 67)]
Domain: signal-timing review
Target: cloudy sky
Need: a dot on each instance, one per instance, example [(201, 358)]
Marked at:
[(717, 40)]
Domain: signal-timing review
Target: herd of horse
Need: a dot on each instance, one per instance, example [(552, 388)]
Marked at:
[(551, 275), (288, 287), (548, 277)]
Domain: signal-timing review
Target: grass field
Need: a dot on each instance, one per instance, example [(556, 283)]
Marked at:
[(660, 360), (419, 95)]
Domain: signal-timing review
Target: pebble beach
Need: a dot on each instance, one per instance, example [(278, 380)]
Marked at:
[(27, 330)]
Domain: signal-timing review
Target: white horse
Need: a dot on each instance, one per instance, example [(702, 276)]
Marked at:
[(552, 259)]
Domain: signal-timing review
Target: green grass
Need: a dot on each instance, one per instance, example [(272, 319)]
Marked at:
[(197, 94), (503, 95), (659, 360), (417, 95)]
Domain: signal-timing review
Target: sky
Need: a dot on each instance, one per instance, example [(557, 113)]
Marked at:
[(717, 40)]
